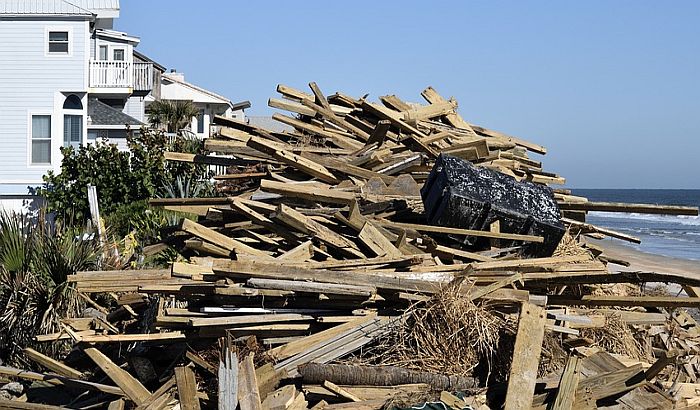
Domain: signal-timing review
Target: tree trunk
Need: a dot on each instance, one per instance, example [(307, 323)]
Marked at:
[(315, 373)]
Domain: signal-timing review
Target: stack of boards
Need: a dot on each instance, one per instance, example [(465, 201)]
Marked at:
[(324, 240)]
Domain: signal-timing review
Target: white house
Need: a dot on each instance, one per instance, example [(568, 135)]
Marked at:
[(175, 88), (67, 78)]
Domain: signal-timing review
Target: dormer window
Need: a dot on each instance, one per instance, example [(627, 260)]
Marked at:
[(58, 42)]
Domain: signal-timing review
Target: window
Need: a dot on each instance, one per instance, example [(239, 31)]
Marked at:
[(72, 103), (118, 54), (200, 122), (72, 131), (41, 139), (58, 42), (103, 53)]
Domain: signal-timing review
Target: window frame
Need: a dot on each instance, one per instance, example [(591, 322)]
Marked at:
[(82, 128), (101, 47), (30, 139), (114, 51), (63, 29)]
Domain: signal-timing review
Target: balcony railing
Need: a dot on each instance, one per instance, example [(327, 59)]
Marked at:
[(121, 74), (143, 76)]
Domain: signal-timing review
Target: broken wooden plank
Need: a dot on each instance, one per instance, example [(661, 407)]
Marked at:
[(568, 384), (186, 388), (131, 387), (526, 357), (248, 393), (52, 364)]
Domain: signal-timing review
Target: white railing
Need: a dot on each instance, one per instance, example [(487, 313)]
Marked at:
[(143, 76), (111, 74)]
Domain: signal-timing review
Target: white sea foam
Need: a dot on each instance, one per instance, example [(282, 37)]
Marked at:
[(690, 220)]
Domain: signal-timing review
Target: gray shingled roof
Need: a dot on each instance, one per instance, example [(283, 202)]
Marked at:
[(102, 114), (42, 7)]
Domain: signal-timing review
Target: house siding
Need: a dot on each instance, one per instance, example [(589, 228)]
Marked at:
[(33, 82), (134, 107)]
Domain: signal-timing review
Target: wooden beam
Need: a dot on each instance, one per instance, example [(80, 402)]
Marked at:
[(526, 357), (133, 389), (625, 207), (57, 380), (459, 231), (644, 301), (308, 192), (302, 164), (568, 384), (309, 226), (186, 388), (248, 393), (220, 239), (52, 364)]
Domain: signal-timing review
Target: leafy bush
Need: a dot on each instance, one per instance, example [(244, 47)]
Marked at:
[(121, 178)]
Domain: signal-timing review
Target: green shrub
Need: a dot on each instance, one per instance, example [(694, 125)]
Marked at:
[(121, 178)]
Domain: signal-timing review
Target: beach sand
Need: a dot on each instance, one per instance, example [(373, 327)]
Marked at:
[(646, 262)]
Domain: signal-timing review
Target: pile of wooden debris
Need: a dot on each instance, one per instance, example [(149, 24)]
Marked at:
[(319, 283)]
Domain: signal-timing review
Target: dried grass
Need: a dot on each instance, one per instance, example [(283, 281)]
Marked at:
[(449, 335), (570, 246), (616, 337)]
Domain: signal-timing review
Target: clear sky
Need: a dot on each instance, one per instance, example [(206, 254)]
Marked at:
[(611, 88)]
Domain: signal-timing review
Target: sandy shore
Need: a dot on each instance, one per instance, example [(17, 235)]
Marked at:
[(646, 262)]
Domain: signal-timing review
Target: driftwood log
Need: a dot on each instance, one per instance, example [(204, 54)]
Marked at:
[(315, 373)]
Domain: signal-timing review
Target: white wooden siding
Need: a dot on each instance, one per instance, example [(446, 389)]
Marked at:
[(134, 107), (32, 82)]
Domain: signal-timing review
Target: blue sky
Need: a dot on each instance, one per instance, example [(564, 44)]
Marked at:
[(611, 88)]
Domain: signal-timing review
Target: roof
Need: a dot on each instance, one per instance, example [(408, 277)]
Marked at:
[(147, 59), (42, 8), (117, 35), (216, 98), (97, 4), (102, 114)]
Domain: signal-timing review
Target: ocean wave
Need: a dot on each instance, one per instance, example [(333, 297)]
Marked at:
[(691, 220)]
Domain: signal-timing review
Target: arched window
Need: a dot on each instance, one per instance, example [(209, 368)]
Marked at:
[(73, 103)]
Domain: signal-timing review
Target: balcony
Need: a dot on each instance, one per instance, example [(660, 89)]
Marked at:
[(120, 76)]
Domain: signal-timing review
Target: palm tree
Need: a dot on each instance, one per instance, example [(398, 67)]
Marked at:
[(174, 115)]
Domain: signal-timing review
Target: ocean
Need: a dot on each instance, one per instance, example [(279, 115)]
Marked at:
[(676, 236)]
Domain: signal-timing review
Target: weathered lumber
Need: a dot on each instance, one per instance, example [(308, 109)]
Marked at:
[(627, 207), (526, 357), (249, 319), (186, 388), (317, 339), (52, 364), (587, 228), (57, 380), (228, 380), (568, 384), (311, 193), (340, 391), (311, 287), (293, 160), (644, 301), (309, 226), (248, 393), (131, 386), (341, 345), (220, 239), (459, 231)]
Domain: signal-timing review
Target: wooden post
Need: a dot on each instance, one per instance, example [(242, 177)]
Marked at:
[(526, 357), (566, 394)]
